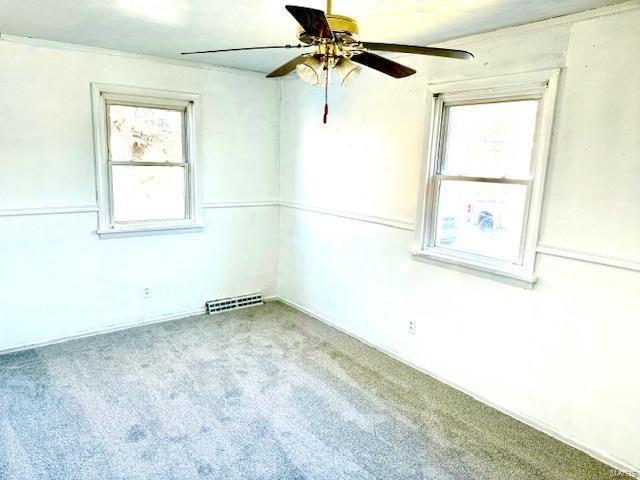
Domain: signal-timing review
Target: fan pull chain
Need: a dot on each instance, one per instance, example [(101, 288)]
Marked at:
[(326, 93)]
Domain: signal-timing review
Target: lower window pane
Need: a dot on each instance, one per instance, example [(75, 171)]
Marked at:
[(148, 193), (481, 218)]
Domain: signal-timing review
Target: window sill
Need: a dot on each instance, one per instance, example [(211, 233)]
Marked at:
[(143, 230), (514, 276)]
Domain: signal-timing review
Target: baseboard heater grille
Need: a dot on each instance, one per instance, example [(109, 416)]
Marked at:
[(234, 303)]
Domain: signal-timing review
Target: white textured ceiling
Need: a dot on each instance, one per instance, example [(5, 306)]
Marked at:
[(167, 27)]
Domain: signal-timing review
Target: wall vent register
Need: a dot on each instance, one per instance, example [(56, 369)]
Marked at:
[(234, 303)]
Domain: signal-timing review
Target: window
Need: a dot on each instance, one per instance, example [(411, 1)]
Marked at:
[(481, 196), (145, 159)]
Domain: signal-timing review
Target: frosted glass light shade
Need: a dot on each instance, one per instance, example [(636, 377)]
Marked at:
[(347, 71), (311, 71)]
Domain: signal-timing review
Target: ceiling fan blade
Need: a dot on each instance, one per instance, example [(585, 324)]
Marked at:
[(436, 52), (288, 67), (313, 21), (247, 48), (383, 65)]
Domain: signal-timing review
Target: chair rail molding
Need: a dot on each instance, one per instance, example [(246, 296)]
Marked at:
[(360, 217), (542, 248), (17, 212), (564, 252), (241, 204)]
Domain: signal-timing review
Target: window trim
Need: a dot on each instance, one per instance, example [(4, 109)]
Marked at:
[(541, 85), (103, 95)]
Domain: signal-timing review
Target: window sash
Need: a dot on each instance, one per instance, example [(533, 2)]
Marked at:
[(435, 177), (187, 196), (102, 95), (151, 164), (444, 126), (172, 106), (541, 85), (484, 179), (184, 128), (435, 204)]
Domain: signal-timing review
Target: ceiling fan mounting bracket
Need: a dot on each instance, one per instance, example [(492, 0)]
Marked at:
[(342, 24), (345, 30)]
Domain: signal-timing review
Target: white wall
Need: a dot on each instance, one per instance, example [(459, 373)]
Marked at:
[(57, 278), (563, 355)]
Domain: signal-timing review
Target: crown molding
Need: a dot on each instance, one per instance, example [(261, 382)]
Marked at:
[(541, 24), (37, 42)]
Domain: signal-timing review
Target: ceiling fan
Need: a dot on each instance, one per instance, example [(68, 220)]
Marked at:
[(336, 44)]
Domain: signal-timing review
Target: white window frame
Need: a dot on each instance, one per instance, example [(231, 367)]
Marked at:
[(104, 95), (539, 85)]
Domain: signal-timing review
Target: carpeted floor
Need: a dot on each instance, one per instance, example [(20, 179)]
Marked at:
[(261, 393)]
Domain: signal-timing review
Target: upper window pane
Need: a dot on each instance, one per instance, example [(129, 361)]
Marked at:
[(490, 139), (142, 134)]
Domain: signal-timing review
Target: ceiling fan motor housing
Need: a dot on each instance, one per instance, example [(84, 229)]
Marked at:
[(345, 29)]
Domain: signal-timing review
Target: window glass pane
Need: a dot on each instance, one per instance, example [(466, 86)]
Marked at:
[(140, 134), (481, 218), (148, 193), (490, 139)]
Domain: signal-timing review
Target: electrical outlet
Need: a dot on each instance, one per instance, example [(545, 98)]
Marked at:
[(146, 292), (412, 327)]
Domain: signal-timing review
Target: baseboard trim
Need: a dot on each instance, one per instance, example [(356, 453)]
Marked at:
[(101, 331), (114, 328), (603, 457)]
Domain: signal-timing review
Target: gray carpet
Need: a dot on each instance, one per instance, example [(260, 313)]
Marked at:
[(261, 393)]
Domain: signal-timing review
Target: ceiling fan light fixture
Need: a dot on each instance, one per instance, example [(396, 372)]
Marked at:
[(311, 71), (347, 71), (336, 40)]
